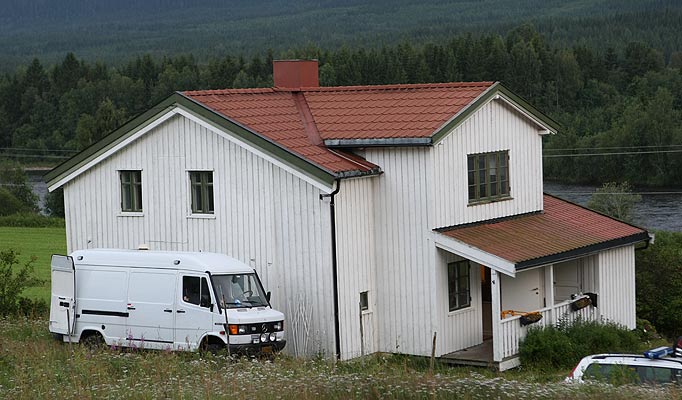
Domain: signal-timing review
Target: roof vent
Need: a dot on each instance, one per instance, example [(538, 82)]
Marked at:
[(295, 74), (143, 246)]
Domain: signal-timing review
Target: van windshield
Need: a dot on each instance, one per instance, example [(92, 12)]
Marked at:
[(239, 290)]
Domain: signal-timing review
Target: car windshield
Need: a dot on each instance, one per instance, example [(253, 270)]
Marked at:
[(239, 291)]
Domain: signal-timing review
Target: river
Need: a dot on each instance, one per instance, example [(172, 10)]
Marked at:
[(660, 209)]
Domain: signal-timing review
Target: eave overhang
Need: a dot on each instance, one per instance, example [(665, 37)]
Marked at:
[(77, 164)]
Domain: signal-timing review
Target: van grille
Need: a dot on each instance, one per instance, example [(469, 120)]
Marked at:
[(263, 327)]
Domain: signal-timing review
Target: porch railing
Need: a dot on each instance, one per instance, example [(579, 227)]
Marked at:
[(512, 332)]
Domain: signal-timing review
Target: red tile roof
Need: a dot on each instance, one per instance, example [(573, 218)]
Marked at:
[(563, 229), (300, 120)]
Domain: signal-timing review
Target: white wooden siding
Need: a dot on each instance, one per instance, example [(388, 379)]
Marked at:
[(617, 285), (356, 265), (405, 275), (461, 328), (494, 127), (264, 216)]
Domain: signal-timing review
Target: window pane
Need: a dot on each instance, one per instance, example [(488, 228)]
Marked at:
[(190, 290), (196, 199), (205, 294), (472, 192), (209, 195), (470, 163), (481, 163), (472, 177)]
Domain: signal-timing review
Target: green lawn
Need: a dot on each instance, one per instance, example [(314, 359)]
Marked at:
[(38, 242)]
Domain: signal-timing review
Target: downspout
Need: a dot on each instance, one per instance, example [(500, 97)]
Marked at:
[(335, 281)]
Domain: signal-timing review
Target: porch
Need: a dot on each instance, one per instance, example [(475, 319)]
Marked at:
[(501, 350), (529, 270)]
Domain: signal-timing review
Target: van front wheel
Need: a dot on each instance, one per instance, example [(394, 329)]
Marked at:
[(209, 346)]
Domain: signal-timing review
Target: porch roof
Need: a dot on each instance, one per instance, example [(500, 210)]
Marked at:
[(563, 230)]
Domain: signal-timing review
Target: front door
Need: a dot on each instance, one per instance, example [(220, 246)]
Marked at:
[(194, 315), (524, 292), (151, 309), (63, 296)]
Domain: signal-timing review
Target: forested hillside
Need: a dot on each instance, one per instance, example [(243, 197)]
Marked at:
[(115, 31), (614, 101)]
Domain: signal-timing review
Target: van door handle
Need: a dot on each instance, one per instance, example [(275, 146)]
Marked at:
[(131, 308), (181, 311), (167, 310)]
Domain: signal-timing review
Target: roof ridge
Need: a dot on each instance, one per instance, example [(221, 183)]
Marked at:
[(398, 86)]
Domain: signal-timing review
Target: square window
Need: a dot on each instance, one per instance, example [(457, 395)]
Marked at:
[(459, 285), (131, 191), (488, 176), (202, 192)]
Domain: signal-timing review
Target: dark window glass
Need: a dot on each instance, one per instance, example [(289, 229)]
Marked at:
[(364, 301), (131, 191), (202, 192), (488, 176), (195, 291), (459, 292)]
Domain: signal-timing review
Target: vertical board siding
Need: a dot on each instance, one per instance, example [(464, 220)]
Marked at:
[(493, 127), (617, 285), (264, 216), (356, 265), (404, 251), (462, 328)]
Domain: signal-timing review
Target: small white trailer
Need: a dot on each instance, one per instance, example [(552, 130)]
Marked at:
[(162, 300)]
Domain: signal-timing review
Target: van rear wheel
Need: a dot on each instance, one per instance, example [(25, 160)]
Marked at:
[(93, 341)]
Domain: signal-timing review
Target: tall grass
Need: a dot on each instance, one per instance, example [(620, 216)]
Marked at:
[(33, 365)]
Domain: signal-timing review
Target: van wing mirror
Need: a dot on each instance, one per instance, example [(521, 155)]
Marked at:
[(267, 296)]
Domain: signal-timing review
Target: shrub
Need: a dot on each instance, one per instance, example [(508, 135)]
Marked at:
[(10, 204), (659, 282), (13, 280), (31, 220), (563, 346), (14, 180)]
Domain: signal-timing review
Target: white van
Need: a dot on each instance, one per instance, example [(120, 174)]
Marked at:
[(162, 300)]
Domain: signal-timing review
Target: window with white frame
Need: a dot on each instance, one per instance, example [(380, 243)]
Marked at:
[(131, 191), (459, 286), (201, 183)]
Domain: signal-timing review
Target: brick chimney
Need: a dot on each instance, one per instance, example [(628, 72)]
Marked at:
[(295, 74)]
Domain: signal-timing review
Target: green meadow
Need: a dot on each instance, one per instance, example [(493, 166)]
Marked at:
[(40, 243)]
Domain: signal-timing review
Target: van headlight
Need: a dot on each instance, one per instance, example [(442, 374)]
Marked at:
[(264, 337), (278, 326), (273, 336)]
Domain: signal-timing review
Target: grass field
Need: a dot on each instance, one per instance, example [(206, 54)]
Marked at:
[(38, 242), (33, 366)]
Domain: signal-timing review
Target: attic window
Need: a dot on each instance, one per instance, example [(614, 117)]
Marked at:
[(488, 175), (201, 183)]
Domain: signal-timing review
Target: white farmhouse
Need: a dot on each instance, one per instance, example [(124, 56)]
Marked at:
[(379, 216)]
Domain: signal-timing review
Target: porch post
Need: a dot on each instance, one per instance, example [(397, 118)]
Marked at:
[(549, 292), (496, 310)]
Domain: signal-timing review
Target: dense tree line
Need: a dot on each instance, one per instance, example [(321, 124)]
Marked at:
[(114, 31), (628, 100)]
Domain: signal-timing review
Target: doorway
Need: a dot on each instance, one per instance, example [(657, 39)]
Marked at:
[(486, 304)]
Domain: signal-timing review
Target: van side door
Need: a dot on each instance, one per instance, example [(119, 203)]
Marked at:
[(151, 307), (194, 315)]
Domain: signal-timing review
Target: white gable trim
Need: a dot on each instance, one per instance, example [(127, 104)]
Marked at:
[(544, 129), (178, 110), (474, 254)]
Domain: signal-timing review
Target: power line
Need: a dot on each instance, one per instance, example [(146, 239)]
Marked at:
[(613, 148), (44, 150), (628, 193), (622, 153)]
